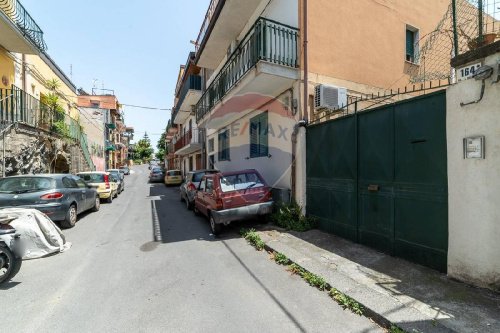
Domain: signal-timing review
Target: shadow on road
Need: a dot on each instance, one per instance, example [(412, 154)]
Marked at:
[(178, 224)]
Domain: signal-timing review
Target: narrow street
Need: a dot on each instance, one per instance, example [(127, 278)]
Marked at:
[(115, 278)]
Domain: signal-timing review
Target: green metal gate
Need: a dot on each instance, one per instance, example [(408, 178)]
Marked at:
[(379, 178)]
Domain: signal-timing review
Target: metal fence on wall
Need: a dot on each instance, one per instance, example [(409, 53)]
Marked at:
[(17, 106)]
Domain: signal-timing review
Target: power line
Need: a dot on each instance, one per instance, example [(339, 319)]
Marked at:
[(145, 107)]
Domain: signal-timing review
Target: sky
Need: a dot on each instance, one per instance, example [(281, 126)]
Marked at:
[(134, 47)]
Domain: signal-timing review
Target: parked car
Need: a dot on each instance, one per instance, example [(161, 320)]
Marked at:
[(232, 196), (120, 177), (156, 175), (125, 169), (173, 177), (190, 185), (106, 184), (60, 196)]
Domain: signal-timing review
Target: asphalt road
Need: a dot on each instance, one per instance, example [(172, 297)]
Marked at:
[(116, 278)]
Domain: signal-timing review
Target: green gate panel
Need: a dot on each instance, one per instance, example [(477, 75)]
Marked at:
[(380, 178), (421, 181), (331, 176), (376, 172)]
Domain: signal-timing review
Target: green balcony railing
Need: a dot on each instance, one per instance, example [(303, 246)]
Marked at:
[(23, 20), (268, 41), (17, 106)]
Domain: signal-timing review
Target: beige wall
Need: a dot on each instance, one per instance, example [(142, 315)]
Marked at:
[(38, 72), (474, 184), (363, 41), (6, 69)]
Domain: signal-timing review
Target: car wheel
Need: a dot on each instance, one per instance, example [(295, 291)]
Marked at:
[(70, 220), (110, 198), (97, 204), (116, 194), (216, 228)]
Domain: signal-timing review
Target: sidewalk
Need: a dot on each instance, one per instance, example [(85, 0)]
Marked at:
[(411, 296)]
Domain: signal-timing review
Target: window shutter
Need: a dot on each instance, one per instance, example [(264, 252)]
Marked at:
[(254, 138), (410, 41), (263, 143)]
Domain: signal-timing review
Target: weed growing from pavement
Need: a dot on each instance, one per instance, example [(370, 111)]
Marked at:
[(290, 217), (346, 302), (280, 258), (253, 238), (395, 329)]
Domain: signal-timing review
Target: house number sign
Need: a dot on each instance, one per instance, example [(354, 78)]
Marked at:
[(474, 147)]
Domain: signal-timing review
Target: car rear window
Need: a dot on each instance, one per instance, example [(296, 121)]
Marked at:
[(92, 177), (26, 184), (157, 171), (199, 175), (174, 173), (241, 181)]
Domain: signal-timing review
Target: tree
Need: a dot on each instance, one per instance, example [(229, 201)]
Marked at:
[(143, 149), (161, 147)]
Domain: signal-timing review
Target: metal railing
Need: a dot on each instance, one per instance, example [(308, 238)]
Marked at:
[(475, 23), (206, 22), (17, 106), (193, 82), (192, 136), (23, 20), (267, 40)]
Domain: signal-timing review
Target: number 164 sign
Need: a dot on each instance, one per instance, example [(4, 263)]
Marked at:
[(467, 72)]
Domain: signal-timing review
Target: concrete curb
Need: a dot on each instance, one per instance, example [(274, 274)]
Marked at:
[(361, 294)]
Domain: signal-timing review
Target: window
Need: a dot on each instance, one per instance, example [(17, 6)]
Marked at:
[(224, 145), (69, 183), (211, 145), (211, 162), (80, 183), (258, 136), (241, 182), (210, 185), (411, 43), (202, 185)]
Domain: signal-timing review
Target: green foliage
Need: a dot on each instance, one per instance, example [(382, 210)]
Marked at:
[(143, 149), (280, 258), (253, 238), (290, 217), (137, 162), (346, 302), (315, 280), (395, 329), (60, 127), (52, 84)]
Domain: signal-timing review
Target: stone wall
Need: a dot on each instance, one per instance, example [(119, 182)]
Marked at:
[(31, 151)]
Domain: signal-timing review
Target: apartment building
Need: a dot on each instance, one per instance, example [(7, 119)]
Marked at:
[(107, 107), (35, 91), (255, 57), (187, 142)]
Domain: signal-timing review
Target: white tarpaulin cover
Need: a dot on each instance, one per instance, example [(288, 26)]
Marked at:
[(39, 235)]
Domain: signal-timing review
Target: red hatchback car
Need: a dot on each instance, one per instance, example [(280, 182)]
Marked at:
[(232, 196)]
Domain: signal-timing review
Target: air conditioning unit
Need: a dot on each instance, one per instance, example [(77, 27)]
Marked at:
[(329, 97)]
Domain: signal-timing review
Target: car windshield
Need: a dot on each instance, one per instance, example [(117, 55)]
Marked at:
[(92, 177), (26, 184), (240, 181), (174, 173)]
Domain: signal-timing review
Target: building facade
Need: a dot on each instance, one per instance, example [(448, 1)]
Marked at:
[(252, 56)]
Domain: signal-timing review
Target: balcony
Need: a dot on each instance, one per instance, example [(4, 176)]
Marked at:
[(188, 143), (20, 33), (188, 97), (265, 63), (223, 22)]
